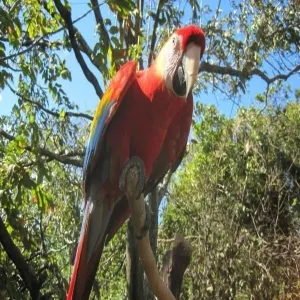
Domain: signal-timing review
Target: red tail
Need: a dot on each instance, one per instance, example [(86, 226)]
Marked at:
[(96, 217)]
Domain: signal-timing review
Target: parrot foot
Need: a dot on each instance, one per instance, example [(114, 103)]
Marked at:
[(134, 168), (144, 230), (132, 181)]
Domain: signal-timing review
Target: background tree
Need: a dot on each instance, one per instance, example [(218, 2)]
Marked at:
[(241, 174), (240, 188)]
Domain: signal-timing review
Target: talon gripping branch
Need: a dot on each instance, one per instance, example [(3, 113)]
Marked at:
[(146, 114)]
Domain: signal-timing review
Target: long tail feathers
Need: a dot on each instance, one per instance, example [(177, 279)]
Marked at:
[(90, 247), (119, 215)]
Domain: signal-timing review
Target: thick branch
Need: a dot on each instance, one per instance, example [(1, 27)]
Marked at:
[(138, 26), (175, 263), (85, 48), (27, 274), (134, 268), (65, 159), (207, 67), (100, 22), (138, 218), (155, 25), (66, 15)]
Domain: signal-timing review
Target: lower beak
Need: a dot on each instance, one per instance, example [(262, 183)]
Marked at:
[(190, 62)]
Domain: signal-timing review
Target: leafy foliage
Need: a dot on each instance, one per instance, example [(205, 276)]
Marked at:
[(240, 189)]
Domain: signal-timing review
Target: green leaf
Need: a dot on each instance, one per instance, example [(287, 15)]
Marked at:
[(260, 98), (62, 115), (107, 21), (31, 118), (116, 41), (113, 29)]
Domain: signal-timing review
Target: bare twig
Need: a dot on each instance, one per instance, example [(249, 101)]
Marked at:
[(27, 274), (48, 111), (190, 237), (28, 42), (65, 159), (34, 43), (66, 15), (277, 77), (209, 68)]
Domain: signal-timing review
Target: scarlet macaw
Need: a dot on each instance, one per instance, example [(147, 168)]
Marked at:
[(146, 114)]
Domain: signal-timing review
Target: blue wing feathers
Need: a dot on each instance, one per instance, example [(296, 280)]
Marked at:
[(96, 137), (104, 113)]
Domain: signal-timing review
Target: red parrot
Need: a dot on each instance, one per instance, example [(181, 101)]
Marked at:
[(146, 114)]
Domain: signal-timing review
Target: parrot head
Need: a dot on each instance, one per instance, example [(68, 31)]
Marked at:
[(178, 61)]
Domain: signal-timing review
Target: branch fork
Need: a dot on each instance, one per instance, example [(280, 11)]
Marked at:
[(133, 181)]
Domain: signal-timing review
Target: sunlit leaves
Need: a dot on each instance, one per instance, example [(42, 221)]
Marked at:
[(238, 188), (123, 8), (4, 78)]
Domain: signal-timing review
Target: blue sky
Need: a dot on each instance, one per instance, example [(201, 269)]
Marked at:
[(82, 93)]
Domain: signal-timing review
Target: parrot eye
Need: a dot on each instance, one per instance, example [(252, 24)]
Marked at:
[(174, 42)]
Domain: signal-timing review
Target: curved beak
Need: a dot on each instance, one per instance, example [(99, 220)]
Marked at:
[(190, 62)]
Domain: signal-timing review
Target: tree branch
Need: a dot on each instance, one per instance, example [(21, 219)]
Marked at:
[(162, 191), (29, 42), (65, 159), (155, 25), (27, 274), (277, 77), (138, 26), (66, 15), (134, 268), (85, 48), (175, 262), (48, 111), (100, 22), (34, 43), (209, 68), (138, 217)]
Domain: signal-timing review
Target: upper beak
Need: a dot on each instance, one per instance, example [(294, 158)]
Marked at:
[(190, 62)]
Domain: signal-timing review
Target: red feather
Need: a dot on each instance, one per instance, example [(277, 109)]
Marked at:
[(138, 116), (192, 34)]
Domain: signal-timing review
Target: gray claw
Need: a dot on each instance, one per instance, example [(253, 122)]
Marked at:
[(135, 170)]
